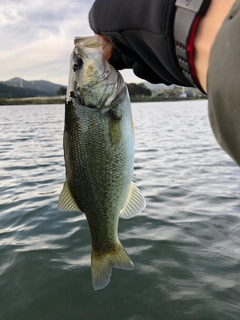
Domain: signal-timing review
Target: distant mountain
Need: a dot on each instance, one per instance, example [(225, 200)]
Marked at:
[(40, 87), (14, 92)]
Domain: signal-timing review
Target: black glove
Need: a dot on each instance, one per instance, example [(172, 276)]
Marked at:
[(141, 32)]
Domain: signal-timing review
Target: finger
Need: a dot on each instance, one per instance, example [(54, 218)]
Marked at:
[(106, 46)]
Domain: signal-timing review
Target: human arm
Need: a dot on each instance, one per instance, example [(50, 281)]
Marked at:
[(142, 35), (207, 31), (127, 23), (217, 62), (223, 83), (143, 39)]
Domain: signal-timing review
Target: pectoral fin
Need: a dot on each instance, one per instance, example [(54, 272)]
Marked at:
[(134, 204), (66, 201)]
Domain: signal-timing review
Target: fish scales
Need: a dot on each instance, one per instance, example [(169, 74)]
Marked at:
[(99, 156), (95, 167)]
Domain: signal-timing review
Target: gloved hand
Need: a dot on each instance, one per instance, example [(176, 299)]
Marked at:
[(142, 35)]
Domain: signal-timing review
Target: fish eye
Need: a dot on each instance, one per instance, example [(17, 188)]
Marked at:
[(78, 63)]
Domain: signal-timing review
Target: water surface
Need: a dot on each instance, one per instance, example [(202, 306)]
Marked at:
[(185, 245)]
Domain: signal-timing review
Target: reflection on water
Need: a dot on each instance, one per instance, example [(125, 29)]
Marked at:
[(185, 245)]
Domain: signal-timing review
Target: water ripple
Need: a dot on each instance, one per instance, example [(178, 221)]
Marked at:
[(184, 245)]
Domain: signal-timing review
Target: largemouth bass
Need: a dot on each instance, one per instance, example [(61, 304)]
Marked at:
[(99, 156)]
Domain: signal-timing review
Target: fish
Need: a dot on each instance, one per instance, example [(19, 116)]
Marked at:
[(98, 147)]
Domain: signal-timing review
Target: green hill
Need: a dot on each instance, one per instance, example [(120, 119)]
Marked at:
[(14, 92), (19, 88)]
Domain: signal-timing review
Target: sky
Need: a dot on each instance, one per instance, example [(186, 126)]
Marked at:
[(36, 38)]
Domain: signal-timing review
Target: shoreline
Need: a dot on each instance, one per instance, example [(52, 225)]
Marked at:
[(32, 101), (61, 100)]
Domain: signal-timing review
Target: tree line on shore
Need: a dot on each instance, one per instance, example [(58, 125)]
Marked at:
[(141, 91), (137, 92)]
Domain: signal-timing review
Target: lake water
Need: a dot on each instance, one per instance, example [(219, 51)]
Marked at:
[(185, 245)]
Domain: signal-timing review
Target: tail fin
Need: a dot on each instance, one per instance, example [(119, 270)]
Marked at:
[(102, 265)]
